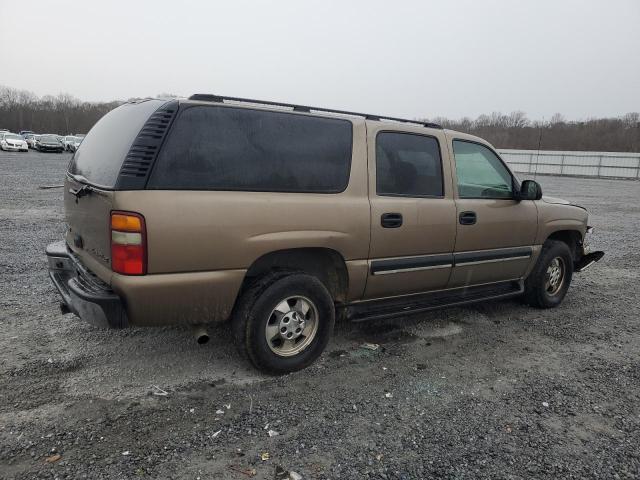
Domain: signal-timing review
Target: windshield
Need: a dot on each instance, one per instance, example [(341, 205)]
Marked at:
[(49, 138), (12, 136)]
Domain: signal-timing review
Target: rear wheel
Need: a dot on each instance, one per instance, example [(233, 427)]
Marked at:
[(550, 278), (284, 321)]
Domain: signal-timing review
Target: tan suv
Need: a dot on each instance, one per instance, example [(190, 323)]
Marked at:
[(280, 218)]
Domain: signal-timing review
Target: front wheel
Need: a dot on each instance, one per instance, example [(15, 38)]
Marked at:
[(284, 322), (550, 278)]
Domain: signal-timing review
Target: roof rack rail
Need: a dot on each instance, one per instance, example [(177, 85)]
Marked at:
[(205, 97)]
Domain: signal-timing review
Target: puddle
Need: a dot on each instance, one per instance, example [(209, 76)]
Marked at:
[(381, 333), (432, 331)]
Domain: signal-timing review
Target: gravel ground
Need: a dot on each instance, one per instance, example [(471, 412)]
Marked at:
[(494, 390)]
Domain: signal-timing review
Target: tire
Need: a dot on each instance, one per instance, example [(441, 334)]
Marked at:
[(546, 287), (274, 308)]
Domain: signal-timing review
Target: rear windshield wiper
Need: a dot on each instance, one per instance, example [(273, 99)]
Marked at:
[(81, 192), (85, 189)]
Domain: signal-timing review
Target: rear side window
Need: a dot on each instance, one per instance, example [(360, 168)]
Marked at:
[(105, 147), (408, 165), (225, 148)]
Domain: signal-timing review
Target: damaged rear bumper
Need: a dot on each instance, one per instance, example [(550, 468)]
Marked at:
[(82, 292)]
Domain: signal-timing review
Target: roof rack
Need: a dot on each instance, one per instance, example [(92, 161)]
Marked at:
[(205, 97)]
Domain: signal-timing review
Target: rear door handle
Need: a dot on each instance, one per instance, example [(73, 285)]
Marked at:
[(391, 220), (468, 218)]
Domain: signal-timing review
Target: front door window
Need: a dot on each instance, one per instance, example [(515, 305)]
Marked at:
[(481, 174)]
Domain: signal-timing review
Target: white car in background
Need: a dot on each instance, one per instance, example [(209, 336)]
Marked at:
[(12, 142), (71, 143), (30, 138)]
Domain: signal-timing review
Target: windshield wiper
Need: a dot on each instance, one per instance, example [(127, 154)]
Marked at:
[(85, 189), (81, 192), (78, 178)]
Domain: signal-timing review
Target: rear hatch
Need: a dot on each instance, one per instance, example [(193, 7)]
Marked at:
[(89, 190)]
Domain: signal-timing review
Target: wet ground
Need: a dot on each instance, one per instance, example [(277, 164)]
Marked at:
[(495, 390)]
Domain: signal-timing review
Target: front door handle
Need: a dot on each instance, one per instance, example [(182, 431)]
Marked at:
[(391, 220), (468, 218)]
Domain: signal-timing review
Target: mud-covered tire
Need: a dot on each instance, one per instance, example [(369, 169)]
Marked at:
[(255, 311), (539, 291)]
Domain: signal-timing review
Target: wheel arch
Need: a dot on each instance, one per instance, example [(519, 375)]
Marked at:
[(326, 264), (573, 239)]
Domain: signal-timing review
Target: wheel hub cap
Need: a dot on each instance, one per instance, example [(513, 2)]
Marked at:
[(555, 276), (291, 326)]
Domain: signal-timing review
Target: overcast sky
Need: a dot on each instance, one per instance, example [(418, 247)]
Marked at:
[(405, 58)]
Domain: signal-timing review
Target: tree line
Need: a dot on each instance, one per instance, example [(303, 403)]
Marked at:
[(515, 130), (62, 114), (65, 114)]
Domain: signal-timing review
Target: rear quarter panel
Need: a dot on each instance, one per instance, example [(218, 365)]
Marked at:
[(200, 243)]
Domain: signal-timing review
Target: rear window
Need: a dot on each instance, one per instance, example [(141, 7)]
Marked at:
[(225, 148), (103, 150)]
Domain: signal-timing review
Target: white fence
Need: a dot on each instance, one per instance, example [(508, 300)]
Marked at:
[(584, 164)]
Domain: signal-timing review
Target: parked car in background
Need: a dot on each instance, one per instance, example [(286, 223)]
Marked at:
[(24, 133), (71, 143), (12, 142), (49, 143), (31, 140), (3, 130)]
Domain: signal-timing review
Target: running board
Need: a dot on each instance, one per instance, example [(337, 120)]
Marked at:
[(395, 307)]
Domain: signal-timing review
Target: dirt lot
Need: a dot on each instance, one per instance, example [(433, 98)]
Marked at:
[(490, 391)]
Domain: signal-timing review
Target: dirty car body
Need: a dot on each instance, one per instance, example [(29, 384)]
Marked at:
[(278, 220)]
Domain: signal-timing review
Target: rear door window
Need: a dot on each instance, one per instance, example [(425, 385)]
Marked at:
[(226, 148), (102, 152), (408, 165)]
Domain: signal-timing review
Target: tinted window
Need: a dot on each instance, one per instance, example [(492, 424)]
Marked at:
[(106, 145), (408, 165), (480, 172), (224, 148)]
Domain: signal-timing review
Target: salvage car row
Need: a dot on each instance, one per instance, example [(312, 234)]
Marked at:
[(23, 141)]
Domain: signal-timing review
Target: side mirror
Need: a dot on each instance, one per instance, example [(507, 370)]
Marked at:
[(530, 190)]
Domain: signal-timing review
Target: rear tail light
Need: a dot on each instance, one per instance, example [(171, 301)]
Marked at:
[(128, 243)]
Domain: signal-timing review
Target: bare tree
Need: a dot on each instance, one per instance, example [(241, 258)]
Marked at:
[(64, 114), (515, 130)]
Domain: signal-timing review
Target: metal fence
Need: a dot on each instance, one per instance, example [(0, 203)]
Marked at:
[(583, 164)]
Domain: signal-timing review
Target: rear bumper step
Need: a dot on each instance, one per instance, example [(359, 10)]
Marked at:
[(82, 292), (382, 309)]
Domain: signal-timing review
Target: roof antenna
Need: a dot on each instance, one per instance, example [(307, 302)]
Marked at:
[(535, 172)]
